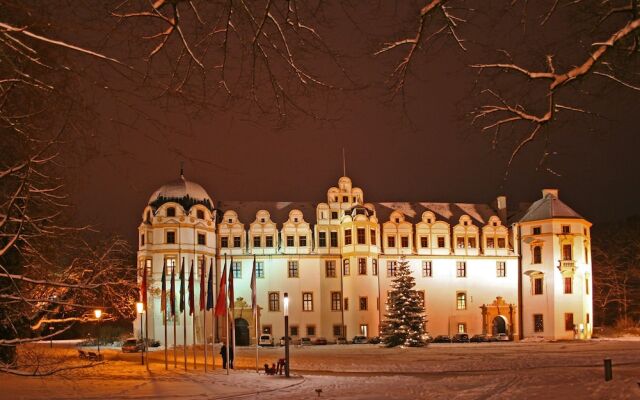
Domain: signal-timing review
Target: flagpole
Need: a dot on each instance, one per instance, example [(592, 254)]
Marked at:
[(204, 313), (173, 314), (227, 314), (184, 316), (254, 306), (164, 322), (232, 304), (146, 319), (192, 306)]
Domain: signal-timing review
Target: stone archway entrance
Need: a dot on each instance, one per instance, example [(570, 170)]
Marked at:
[(242, 332), (499, 325)]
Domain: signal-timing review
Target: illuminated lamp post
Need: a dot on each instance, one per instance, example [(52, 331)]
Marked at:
[(98, 313), (140, 308), (286, 334)]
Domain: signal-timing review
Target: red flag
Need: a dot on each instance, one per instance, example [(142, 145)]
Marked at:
[(191, 294), (253, 287), (203, 275), (221, 302), (143, 285), (231, 295)]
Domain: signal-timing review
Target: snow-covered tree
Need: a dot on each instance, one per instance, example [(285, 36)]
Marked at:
[(405, 318)]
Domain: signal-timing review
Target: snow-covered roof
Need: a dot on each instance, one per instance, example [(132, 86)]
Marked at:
[(180, 190), (550, 206)]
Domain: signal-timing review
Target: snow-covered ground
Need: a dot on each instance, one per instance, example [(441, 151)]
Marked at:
[(561, 370)]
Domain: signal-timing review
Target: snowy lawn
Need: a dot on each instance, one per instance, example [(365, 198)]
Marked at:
[(561, 370)]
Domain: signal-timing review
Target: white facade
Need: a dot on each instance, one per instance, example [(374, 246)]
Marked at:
[(335, 259)]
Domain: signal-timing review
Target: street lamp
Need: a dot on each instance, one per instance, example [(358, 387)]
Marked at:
[(140, 307), (98, 313), (286, 334)]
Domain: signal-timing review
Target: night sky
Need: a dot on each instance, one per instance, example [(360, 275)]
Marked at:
[(425, 151)]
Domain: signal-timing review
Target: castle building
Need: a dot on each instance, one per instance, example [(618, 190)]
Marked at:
[(479, 268)]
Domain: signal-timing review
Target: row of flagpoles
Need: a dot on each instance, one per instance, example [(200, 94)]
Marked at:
[(224, 306)]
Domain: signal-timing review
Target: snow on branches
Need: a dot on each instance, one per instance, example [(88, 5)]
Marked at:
[(404, 323)]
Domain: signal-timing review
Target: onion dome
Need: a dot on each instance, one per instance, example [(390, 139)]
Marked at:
[(183, 192)]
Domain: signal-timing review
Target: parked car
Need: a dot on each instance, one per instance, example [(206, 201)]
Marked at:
[(320, 341), (265, 340), (341, 340), (305, 341), (282, 341), (375, 340), (360, 340), (132, 345), (481, 338), (442, 339), (502, 337), (460, 338)]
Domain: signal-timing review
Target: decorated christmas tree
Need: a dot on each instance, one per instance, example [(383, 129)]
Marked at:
[(405, 317)]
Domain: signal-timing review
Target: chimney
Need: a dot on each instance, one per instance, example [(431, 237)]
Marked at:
[(501, 206), (552, 192)]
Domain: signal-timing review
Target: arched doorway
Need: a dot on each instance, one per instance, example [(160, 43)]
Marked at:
[(242, 332), (499, 325)]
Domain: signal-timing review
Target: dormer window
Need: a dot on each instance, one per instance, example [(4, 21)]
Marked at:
[(149, 218), (262, 220), (295, 220), (171, 212), (345, 199), (230, 220), (200, 214), (495, 223), (397, 220)]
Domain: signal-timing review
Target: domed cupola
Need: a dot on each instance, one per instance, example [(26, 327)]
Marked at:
[(183, 192)]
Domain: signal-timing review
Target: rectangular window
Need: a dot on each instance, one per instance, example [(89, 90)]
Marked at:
[(274, 301), (364, 330), (236, 267), (346, 267), (171, 237), (586, 285), (311, 330), (224, 242), (372, 233), (374, 267), (461, 301), (293, 329), (259, 269), (202, 239), (491, 243), (290, 241), (566, 229), (293, 269), (307, 301), (441, 242), (364, 303), (462, 327), (337, 330), (502, 243), (334, 238), (391, 241), (347, 237), (392, 267), (427, 270), (334, 215), (362, 266), (346, 304), (322, 239), (361, 236), (568, 321), (142, 240), (302, 241), (404, 241), (330, 268), (538, 323), (460, 242), (236, 241), (501, 269), (537, 285), (257, 241), (568, 285), (461, 269), (336, 301), (536, 230), (268, 241), (567, 253), (345, 199), (424, 241), (588, 320), (471, 242)]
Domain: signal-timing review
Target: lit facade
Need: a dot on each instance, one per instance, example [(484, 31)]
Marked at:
[(480, 269)]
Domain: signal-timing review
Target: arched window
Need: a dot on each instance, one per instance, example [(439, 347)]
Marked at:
[(537, 255), (171, 212), (200, 214)]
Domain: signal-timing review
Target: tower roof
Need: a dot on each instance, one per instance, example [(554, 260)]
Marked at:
[(549, 206), (182, 191)]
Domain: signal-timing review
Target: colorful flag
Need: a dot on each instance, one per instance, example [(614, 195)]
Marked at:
[(203, 274), (253, 287), (172, 295), (143, 285), (210, 287), (192, 299), (221, 302), (182, 288), (231, 295), (163, 298)]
